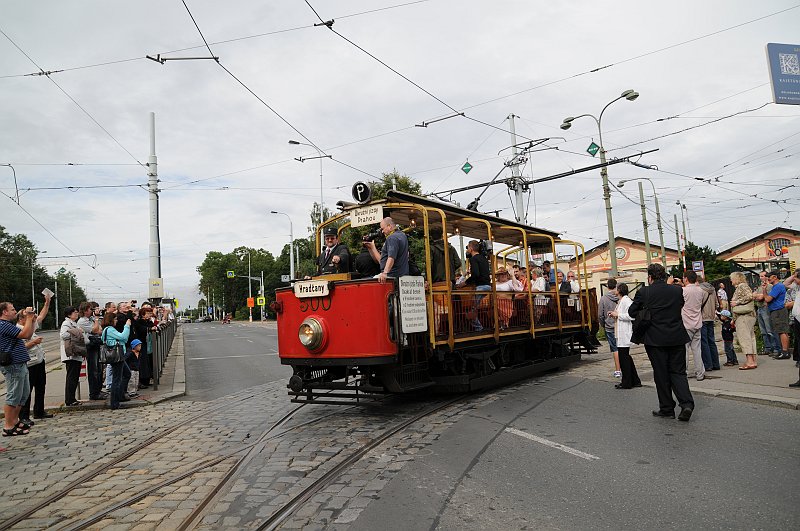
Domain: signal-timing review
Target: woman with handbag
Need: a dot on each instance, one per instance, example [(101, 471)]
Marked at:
[(73, 349), (120, 373), (624, 332), (744, 317)]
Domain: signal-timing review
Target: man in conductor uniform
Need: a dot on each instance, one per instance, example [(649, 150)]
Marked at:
[(335, 258), (664, 340)]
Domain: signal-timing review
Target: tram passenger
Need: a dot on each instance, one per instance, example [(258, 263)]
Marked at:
[(393, 258), (365, 264), (563, 285), (505, 304), (437, 257), (479, 278), (335, 257)]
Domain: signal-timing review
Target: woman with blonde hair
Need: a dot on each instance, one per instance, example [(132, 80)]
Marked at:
[(744, 316)]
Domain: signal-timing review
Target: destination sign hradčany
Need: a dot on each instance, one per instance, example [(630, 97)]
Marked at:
[(311, 288)]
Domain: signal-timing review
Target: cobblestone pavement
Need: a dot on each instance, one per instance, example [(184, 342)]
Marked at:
[(64, 449)]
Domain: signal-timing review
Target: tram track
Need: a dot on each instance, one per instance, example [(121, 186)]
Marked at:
[(249, 448), (289, 508), (240, 456), (115, 460)]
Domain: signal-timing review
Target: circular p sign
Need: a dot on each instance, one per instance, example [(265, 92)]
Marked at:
[(362, 192)]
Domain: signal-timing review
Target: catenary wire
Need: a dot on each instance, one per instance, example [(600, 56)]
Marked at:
[(92, 118)]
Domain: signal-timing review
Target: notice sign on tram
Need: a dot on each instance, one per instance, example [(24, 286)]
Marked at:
[(311, 288), (413, 310), (366, 216)]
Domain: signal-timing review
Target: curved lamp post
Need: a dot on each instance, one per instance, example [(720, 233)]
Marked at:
[(291, 242), (319, 156), (629, 95)]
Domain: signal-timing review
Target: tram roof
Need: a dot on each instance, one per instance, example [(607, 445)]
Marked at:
[(457, 214)]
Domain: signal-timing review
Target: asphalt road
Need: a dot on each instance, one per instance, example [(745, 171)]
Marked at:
[(222, 359), (578, 454)]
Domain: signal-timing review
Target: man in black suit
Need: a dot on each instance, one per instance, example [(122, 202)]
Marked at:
[(664, 340), (335, 257)]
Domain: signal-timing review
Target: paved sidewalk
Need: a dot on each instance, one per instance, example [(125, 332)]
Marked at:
[(172, 384), (768, 384)]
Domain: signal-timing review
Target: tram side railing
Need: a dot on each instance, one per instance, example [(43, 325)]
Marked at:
[(513, 311), (159, 343)]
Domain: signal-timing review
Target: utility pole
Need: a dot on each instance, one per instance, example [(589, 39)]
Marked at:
[(249, 285), (684, 209), (678, 239), (660, 230), (262, 294), (644, 224), (56, 294), (516, 178), (683, 224), (156, 291)]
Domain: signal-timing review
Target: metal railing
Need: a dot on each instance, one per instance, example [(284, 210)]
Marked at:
[(159, 343)]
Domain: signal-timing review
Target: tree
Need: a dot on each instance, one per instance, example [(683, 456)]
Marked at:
[(714, 268), (18, 260)]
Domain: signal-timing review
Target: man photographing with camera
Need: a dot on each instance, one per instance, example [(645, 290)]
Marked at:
[(393, 258), (14, 365)]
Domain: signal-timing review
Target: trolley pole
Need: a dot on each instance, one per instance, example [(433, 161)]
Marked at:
[(644, 224), (515, 172)]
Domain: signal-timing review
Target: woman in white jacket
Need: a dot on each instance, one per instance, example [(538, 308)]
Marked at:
[(73, 336), (624, 331)]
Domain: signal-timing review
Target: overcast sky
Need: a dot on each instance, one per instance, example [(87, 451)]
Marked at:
[(225, 162)]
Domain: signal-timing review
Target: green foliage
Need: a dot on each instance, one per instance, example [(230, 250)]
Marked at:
[(217, 287), (714, 268), (18, 256)]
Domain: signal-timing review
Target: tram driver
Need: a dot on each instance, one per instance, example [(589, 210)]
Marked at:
[(335, 257)]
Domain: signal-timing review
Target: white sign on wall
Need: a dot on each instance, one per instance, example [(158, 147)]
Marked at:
[(366, 216), (413, 310)]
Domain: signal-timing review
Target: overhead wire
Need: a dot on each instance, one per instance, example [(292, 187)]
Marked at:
[(67, 247), (633, 58), (692, 127), (214, 43), (87, 113)]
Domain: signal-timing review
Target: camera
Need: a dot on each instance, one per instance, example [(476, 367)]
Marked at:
[(368, 237)]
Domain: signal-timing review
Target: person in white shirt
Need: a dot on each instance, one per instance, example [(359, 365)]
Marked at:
[(505, 304), (624, 332), (36, 371)]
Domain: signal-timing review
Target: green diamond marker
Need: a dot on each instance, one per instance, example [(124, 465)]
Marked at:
[(466, 167), (592, 149), (62, 271)]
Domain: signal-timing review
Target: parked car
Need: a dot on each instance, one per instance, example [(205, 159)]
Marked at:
[(184, 319)]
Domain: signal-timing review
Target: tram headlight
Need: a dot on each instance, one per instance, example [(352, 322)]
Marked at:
[(311, 334)]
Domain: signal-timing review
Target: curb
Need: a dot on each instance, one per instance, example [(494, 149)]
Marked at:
[(178, 388)]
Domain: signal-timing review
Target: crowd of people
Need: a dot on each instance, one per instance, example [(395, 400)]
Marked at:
[(86, 332), (680, 321)]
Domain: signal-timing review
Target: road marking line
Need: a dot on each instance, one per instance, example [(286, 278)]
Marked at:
[(557, 446), (235, 356)]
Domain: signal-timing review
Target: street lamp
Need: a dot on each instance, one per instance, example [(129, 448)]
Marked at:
[(644, 220), (629, 95), (291, 243), (319, 156), (249, 286)]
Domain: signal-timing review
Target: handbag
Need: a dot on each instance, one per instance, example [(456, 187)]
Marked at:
[(642, 321), (75, 347), (6, 355), (744, 309), (110, 354)]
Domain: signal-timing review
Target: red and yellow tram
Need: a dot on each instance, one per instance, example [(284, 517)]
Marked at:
[(349, 337)]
